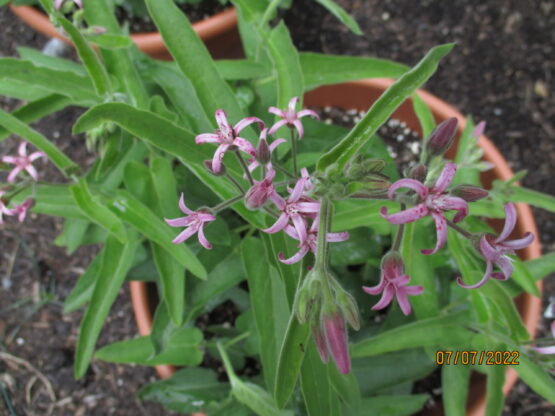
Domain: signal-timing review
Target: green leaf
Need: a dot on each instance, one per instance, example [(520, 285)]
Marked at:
[(193, 58), (281, 243), (59, 64), (542, 266), (55, 200), (165, 186), (37, 109), (134, 212), (323, 69), (239, 69), (442, 330), (97, 212), (116, 261), (455, 380), (73, 234), (172, 281), (536, 377), (175, 140), (352, 214), (183, 391), (95, 69), (424, 114), (495, 398), (79, 89), (269, 305), (529, 196), (397, 405), (525, 278), (111, 41), (183, 349), (21, 91), (83, 289), (16, 126), (251, 395), (382, 109), (342, 15)]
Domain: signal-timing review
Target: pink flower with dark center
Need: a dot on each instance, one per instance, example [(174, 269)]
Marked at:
[(434, 201), (261, 191), (495, 250), (228, 138), (263, 153), (310, 243), (3, 208), (393, 282), (293, 209), (547, 350), (23, 162), (290, 117), (58, 4), (21, 210), (194, 221)]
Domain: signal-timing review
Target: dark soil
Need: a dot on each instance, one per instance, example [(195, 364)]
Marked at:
[(501, 71)]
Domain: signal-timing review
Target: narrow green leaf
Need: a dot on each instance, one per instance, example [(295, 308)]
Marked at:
[(529, 196), (382, 109), (424, 114), (442, 330), (342, 15), (495, 398), (455, 380), (323, 69), (117, 260), (542, 266), (79, 89), (55, 200), (83, 289), (524, 278), (111, 41), (134, 212), (172, 280), (238, 69), (97, 212), (21, 91), (345, 385), (73, 234), (94, 67), (53, 62), (536, 377), (16, 126), (183, 349), (280, 243), (395, 405)]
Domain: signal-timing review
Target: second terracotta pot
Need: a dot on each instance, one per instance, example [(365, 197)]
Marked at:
[(360, 95)]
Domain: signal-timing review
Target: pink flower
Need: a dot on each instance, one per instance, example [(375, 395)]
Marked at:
[(433, 201), (194, 221), (3, 208), (495, 250), (228, 138), (310, 243), (293, 209), (21, 210), (23, 162), (290, 117), (59, 3), (393, 282), (264, 151), (547, 350), (261, 191)]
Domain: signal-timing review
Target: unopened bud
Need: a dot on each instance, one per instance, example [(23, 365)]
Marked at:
[(208, 166), (335, 334), (373, 165), (469, 193), (263, 154), (307, 295), (349, 308), (418, 172), (442, 137)]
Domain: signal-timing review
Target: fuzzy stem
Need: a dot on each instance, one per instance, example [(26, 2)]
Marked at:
[(244, 166), (234, 182), (460, 230), (324, 225), (227, 203), (294, 151), (283, 170)]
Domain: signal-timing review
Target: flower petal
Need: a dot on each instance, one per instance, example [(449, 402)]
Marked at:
[(179, 222), (306, 112), (244, 145), (208, 138), (298, 256), (485, 278), (280, 224), (447, 203), (505, 265), (218, 157), (337, 237), (32, 171), (292, 106), (15, 171), (413, 184), (246, 122), (276, 111), (386, 298), (300, 129), (488, 251), (279, 124), (520, 243), (407, 215), (441, 232), (275, 144), (403, 301), (22, 149), (10, 159), (34, 156), (445, 177), (182, 205), (202, 238), (300, 227), (184, 235), (510, 222)]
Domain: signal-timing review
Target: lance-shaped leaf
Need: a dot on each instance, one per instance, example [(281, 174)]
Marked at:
[(83, 289), (454, 382), (97, 212), (94, 67), (323, 69), (53, 62), (134, 212), (79, 89), (342, 15), (16, 126), (382, 109), (529, 196), (53, 200), (536, 377), (424, 115), (117, 260), (175, 140)]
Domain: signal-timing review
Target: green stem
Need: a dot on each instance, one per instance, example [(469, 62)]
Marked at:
[(324, 226), (459, 229), (234, 182), (283, 170), (294, 151), (399, 236), (244, 166), (268, 12), (227, 203)]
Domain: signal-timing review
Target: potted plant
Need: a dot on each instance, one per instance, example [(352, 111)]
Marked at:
[(261, 245)]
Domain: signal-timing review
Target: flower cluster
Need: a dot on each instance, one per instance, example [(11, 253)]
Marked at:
[(23, 162)]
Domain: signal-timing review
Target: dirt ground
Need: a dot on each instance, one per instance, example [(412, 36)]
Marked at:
[(501, 71)]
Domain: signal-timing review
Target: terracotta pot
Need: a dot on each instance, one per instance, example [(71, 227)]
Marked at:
[(218, 32), (360, 95)]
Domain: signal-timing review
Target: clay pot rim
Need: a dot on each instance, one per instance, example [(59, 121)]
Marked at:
[(531, 304), (148, 42)]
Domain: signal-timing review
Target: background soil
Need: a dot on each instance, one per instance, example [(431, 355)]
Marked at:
[(501, 71)]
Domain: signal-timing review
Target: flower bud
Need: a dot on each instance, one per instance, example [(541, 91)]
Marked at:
[(349, 308), (307, 295), (263, 153), (318, 336), (469, 193), (335, 334), (373, 165), (208, 166), (442, 137), (418, 172)]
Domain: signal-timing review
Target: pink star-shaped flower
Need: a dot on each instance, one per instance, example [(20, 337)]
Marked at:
[(393, 282), (290, 117), (194, 221), (3, 208), (21, 210), (293, 209), (495, 250), (228, 138), (23, 162), (434, 201), (261, 191), (310, 243)]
